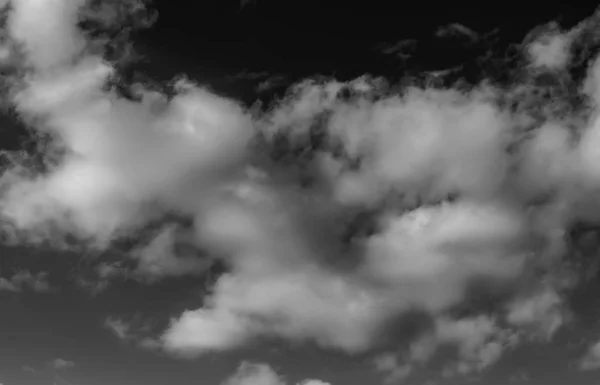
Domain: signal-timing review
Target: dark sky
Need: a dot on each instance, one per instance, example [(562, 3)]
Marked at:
[(334, 33), (210, 40)]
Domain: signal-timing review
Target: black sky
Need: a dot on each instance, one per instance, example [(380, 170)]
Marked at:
[(316, 35)]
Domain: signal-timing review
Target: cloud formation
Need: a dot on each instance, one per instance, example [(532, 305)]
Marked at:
[(460, 187)]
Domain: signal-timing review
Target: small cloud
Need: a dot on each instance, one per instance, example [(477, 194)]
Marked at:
[(314, 382), (457, 30), (254, 374), (543, 313), (519, 377), (118, 327), (61, 364), (249, 373), (101, 277), (402, 49), (7, 285), (28, 369), (591, 360), (271, 82), (24, 279), (479, 343), (134, 331), (549, 46), (392, 368)]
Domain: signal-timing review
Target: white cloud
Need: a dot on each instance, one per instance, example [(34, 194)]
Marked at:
[(118, 166), (47, 30), (24, 279), (249, 373), (551, 50), (254, 374), (422, 258)]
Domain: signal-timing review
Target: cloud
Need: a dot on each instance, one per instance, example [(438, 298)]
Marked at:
[(60, 364), (591, 360), (102, 276), (552, 50), (249, 373), (159, 258), (479, 343), (393, 370), (118, 327), (543, 311), (460, 186), (457, 30), (402, 49), (134, 330), (254, 374), (24, 279), (47, 30)]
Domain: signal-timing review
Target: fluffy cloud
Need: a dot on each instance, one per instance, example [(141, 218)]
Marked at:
[(551, 50), (461, 189)]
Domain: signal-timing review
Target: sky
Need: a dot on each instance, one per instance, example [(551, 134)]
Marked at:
[(299, 193)]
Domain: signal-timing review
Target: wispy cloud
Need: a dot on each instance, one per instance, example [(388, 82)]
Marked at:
[(25, 280), (591, 359), (61, 364), (403, 49), (457, 30)]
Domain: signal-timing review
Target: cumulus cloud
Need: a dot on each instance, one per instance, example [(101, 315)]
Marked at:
[(461, 187), (249, 373), (25, 280)]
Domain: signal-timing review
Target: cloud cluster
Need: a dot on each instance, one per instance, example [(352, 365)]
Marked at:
[(459, 187)]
